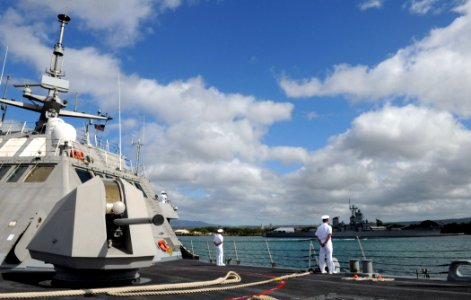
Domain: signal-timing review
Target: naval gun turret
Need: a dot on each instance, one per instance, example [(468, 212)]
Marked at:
[(71, 205)]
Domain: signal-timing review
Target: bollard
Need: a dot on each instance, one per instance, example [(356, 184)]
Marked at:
[(354, 265), (367, 266)]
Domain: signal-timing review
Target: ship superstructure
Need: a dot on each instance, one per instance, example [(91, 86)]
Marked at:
[(69, 203), (357, 221)]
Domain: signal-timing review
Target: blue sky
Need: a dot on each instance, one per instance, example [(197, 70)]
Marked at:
[(261, 112)]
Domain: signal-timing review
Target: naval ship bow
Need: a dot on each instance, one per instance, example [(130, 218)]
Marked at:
[(71, 205)]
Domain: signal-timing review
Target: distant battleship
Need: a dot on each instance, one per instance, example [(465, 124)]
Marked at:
[(359, 227)]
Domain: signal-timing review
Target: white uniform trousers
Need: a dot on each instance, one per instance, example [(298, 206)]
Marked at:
[(219, 255), (326, 253)]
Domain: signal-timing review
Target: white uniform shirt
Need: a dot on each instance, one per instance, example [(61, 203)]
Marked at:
[(218, 238), (322, 232), (164, 198)]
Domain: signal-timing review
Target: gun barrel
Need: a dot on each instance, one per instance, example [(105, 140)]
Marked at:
[(156, 220)]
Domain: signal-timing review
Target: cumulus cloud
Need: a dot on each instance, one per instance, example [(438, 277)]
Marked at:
[(434, 71), (421, 7), (205, 140), (391, 160), (117, 21), (206, 147)]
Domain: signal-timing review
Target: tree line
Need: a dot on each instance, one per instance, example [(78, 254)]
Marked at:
[(232, 231)]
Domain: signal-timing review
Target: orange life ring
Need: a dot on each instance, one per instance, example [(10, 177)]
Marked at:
[(163, 245), (77, 154)]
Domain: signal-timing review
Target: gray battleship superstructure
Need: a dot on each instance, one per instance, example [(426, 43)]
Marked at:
[(72, 205), (360, 227), (357, 221)]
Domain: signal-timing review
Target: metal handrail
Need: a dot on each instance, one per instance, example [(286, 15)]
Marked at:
[(302, 257)]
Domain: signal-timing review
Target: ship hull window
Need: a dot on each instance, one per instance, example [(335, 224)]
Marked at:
[(17, 173), (4, 170), (39, 173)]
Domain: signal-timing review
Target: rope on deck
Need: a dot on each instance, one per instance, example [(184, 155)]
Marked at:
[(212, 289), (149, 290)]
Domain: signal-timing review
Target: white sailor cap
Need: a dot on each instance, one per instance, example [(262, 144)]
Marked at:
[(325, 217), (220, 230)]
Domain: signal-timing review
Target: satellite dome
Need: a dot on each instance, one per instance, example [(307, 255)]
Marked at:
[(60, 131)]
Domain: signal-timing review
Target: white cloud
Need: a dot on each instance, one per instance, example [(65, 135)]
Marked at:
[(434, 70), (393, 160), (206, 147), (421, 7), (312, 115), (117, 21), (371, 4), (204, 139), (396, 161), (289, 155)]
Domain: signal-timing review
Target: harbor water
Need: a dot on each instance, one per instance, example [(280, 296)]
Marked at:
[(423, 257)]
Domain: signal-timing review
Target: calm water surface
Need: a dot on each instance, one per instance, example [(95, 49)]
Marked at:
[(393, 256)]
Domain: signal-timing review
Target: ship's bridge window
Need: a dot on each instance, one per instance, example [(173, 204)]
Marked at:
[(3, 170), (140, 188), (39, 173), (84, 175), (17, 173)]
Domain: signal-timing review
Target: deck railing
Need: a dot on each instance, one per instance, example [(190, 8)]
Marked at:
[(302, 254)]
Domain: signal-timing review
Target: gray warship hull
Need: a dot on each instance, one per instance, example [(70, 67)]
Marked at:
[(360, 234), (72, 204)]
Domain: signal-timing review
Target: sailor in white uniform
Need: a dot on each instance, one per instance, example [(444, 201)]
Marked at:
[(218, 242), (163, 196), (324, 237)]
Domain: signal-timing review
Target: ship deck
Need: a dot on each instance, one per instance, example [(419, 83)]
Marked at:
[(312, 286)]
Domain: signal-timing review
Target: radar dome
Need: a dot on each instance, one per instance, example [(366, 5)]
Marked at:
[(60, 131)]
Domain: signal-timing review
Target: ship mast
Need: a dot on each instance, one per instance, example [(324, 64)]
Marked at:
[(57, 58), (52, 105)]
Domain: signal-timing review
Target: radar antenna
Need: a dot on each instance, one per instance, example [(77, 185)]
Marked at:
[(52, 104)]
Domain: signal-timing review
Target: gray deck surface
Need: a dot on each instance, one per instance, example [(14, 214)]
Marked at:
[(313, 286)]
